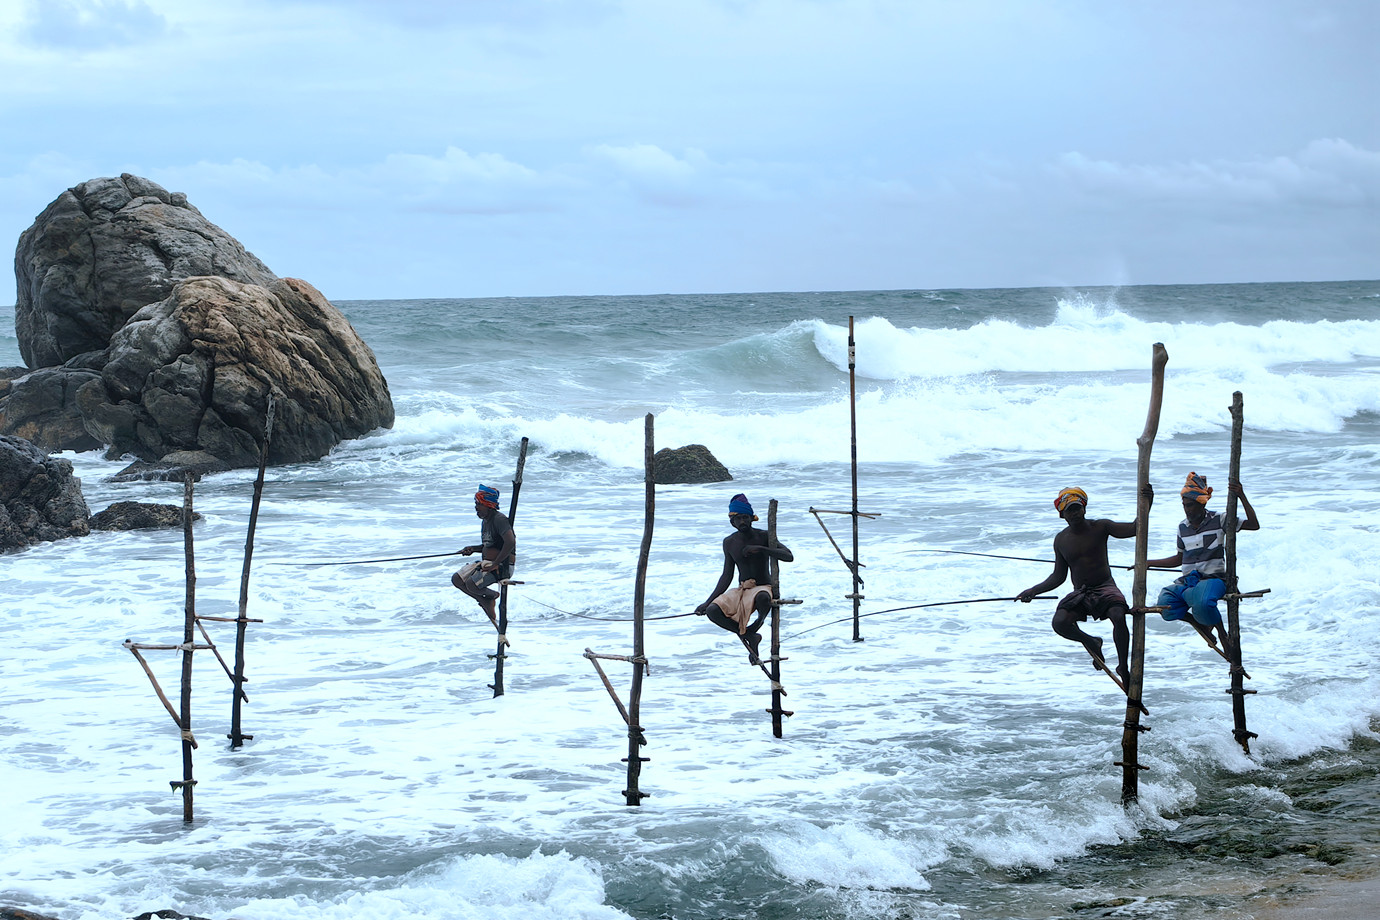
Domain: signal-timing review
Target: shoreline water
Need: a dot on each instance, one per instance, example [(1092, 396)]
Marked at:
[(957, 764)]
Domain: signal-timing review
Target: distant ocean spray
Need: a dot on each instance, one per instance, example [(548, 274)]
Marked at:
[(957, 763)]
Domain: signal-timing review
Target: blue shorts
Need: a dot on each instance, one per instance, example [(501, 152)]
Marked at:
[(1194, 595)]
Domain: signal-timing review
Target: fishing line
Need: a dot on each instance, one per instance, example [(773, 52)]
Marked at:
[(959, 552), (367, 561), (976, 600), (585, 616)]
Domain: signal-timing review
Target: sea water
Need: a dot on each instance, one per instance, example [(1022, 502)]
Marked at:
[(957, 762)]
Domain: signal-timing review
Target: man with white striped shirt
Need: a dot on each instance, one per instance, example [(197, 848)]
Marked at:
[(1202, 557)]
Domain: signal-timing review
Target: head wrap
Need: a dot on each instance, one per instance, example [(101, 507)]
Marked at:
[(486, 496), (1196, 488), (1068, 496), (739, 504)]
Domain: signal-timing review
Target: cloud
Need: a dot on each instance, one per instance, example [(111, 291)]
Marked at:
[(1327, 172), (90, 25)]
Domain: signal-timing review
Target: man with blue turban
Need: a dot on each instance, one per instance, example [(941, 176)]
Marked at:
[(748, 550), (496, 546), (1202, 556)]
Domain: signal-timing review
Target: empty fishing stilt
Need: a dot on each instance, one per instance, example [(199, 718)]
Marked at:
[(236, 736), (851, 562), (1130, 736), (632, 712), (500, 656)]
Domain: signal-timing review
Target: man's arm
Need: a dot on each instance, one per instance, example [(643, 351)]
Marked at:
[(1056, 578), (778, 552), (1251, 522), (1167, 562), (1123, 529), (725, 579)]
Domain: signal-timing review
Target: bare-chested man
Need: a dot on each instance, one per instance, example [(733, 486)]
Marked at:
[(1080, 550), (747, 550)]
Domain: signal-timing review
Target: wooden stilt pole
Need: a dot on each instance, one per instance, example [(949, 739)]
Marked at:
[(633, 796), (853, 459), (238, 680), (188, 643), (1130, 736), (775, 568), (500, 656), (1238, 672)]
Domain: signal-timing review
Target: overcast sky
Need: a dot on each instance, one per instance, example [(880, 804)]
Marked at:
[(425, 148)]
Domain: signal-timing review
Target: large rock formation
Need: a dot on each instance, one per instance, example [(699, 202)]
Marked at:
[(101, 252), (170, 338), (40, 499)]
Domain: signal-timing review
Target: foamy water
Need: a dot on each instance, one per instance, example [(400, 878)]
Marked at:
[(957, 762)]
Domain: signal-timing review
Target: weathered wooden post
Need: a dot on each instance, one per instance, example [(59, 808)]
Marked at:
[(238, 680), (856, 596), (500, 655), (777, 602), (1130, 737), (1238, 672), (188, 645), (635, 736)]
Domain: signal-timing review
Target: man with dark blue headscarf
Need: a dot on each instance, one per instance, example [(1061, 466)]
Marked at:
[(496, 545), (746, 549)]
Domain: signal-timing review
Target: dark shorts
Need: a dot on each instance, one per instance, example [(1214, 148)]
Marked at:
[(1096, 601)]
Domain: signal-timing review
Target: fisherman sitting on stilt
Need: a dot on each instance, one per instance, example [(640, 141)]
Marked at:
[(1202, 555), (747, 550), (496, 544), (1080, 549)]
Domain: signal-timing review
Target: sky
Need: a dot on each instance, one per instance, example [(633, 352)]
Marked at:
[(473, 148)]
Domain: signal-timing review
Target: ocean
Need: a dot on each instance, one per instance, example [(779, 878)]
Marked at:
[(956, 763)]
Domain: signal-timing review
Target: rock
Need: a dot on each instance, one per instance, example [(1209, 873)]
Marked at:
[(103, 250), (166, 915), (19, 913), (194, 372), (139, 516), (40, 499), (690, 464), (42, 407)]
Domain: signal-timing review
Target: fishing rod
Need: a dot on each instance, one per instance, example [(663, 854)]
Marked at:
[(959, 552), (976, 600), (367, 561)]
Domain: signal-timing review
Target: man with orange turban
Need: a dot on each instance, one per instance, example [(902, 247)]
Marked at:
[(1202, 555), (1080, 550)]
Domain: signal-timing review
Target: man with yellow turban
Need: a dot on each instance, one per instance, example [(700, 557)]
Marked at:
[(1202, 555), (1080, 551)]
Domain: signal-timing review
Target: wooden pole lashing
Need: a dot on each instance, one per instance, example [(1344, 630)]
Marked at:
[(500, 656), (188, 642), (238, 680), (1130, 736), (1238, 672), (633, 796)]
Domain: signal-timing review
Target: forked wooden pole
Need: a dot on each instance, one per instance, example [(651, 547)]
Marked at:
[(1238, 690), (188, 644), (775, 568), (500, 656), (633, 796), (238, 680), (1130, 736)]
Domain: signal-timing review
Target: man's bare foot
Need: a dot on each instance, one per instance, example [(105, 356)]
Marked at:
[(1095, 650), (754, 641), (1124, 674)]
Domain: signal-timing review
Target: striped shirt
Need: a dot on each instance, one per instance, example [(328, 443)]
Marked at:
[(1204, 547)]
